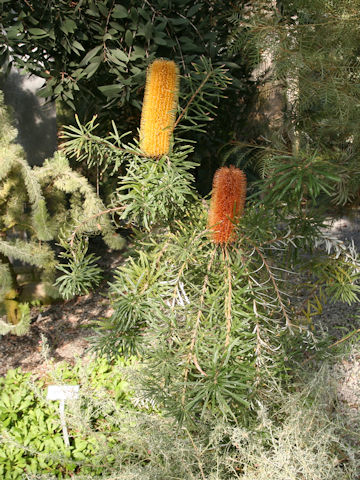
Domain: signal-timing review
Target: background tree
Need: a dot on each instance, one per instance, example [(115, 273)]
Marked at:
[(93, 55), (311, 50)]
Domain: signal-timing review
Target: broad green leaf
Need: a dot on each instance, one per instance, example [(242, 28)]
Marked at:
[(134, 15), (93, 11), (148, 29), (128, 38), (14, 31), (77, 45), (138, 52), (160, 40), (119, 12), (102, 8), (178, 21), (68, 26), (194, 9), (117, 26), (45, 91), (120, 55), (92, 67), (70, 103)]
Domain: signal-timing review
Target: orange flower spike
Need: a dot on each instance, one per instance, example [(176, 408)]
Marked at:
[(227, 203), (159, 107)]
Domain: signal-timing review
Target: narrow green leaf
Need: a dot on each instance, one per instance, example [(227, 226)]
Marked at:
[(111, 90), (194, 9), (128, 38), (37, 31), (91, 54)]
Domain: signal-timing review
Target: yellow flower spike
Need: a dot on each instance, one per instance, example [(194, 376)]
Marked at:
[(159, 107)]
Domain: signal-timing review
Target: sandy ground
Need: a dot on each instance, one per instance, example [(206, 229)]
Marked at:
[(65, 329)]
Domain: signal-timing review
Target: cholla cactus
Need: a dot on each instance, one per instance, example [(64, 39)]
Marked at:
[(227, 203), (158, 112), (26, 197)]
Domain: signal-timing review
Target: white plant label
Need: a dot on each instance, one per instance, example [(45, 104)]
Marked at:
[(62, 393)]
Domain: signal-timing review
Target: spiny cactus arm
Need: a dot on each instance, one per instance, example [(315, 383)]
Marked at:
[(9, 151), (22, 318), (92, 206), (8, 156), (5, 280), (5, 188), (11, 308), (159, 107), (96, 215), (58, 171), (7, 132), (40, 215), (6, 327), (31, 252), (12, 157), (12, 199)]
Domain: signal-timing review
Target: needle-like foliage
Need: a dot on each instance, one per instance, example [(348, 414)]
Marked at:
[(213, 324), (306, 64)]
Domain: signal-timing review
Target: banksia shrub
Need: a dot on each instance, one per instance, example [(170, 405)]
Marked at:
[(158, 112), (227, 203)]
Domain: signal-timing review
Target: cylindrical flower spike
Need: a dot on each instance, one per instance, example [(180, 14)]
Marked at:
[(227, 203), (159, 107)]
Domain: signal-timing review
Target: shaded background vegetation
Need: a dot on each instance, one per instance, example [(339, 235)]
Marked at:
[(94, 55)]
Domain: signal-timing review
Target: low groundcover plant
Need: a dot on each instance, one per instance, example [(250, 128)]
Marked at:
[(114, 435)]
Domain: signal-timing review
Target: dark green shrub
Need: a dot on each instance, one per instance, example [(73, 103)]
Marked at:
[(94, 55)]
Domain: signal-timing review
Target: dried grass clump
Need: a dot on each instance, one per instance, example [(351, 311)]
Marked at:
[(308, 438)]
